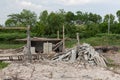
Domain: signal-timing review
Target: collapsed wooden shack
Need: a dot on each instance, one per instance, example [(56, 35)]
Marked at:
[(42, 44), (83, 53)]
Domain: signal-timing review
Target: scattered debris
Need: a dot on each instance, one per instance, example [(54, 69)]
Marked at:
[(84, 53), (72, 64)]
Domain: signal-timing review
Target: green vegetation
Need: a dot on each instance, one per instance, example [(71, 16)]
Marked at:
[(70, 43), (100, 39), (11, 36), (110, 60), (3, 65), (23, 19), (9, 45), (87, 24), (8, 38), (91, 27)]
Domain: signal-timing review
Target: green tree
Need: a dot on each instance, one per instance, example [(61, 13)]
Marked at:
[(91, 29), (69, 17), (118, 15), (95, 18), (42, 24), (26, 17), (115, 28), (111, 17), (79, 15), (55, 22), (82, 16), (39, 29), (12, 21), (103, 27), (85, 18), (1, 25), (43, 17)]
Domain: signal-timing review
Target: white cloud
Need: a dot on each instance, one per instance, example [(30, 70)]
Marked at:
[(74, 2), (79, 2), (97, 6), (27, 4)]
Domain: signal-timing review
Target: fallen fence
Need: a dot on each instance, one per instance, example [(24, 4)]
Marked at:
[(17, 57)]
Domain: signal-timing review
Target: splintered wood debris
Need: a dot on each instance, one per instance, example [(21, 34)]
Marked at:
[(83, 53)]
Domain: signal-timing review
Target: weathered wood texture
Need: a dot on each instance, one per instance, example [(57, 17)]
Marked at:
[(58, 35), (28, 49), (63, 38), (84, 53), (78, 39)]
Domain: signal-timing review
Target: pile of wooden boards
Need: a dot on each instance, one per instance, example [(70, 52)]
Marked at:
[(83, 53)]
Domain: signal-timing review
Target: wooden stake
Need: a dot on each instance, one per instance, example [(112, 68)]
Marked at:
[(29, 45), (63, 38), (78, 38), (58, 35)]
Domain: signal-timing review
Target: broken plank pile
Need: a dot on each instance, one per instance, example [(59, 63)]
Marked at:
[(83, 53)]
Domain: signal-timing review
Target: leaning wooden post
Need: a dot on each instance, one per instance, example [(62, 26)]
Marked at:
[(78, 42), (63, 38), (78, 39), (58, 34), (29, 55)]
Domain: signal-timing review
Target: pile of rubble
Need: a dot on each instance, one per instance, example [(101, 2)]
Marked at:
[(83, 53)]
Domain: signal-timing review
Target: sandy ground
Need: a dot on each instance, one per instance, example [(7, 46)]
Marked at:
[(114, 56), (48, 70), (56, 71)]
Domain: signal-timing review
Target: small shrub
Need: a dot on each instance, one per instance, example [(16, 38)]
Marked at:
[(3, 65)]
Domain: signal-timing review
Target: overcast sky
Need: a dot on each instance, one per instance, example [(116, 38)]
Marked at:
[(101, 7)]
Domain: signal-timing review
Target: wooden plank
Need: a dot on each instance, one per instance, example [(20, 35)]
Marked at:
[(57, 45), (8, 54), (17, 57)]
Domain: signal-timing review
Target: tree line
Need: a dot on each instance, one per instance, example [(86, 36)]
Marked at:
[(47, 24)]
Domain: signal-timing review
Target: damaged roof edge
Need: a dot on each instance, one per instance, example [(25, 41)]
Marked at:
[(40, 39)]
